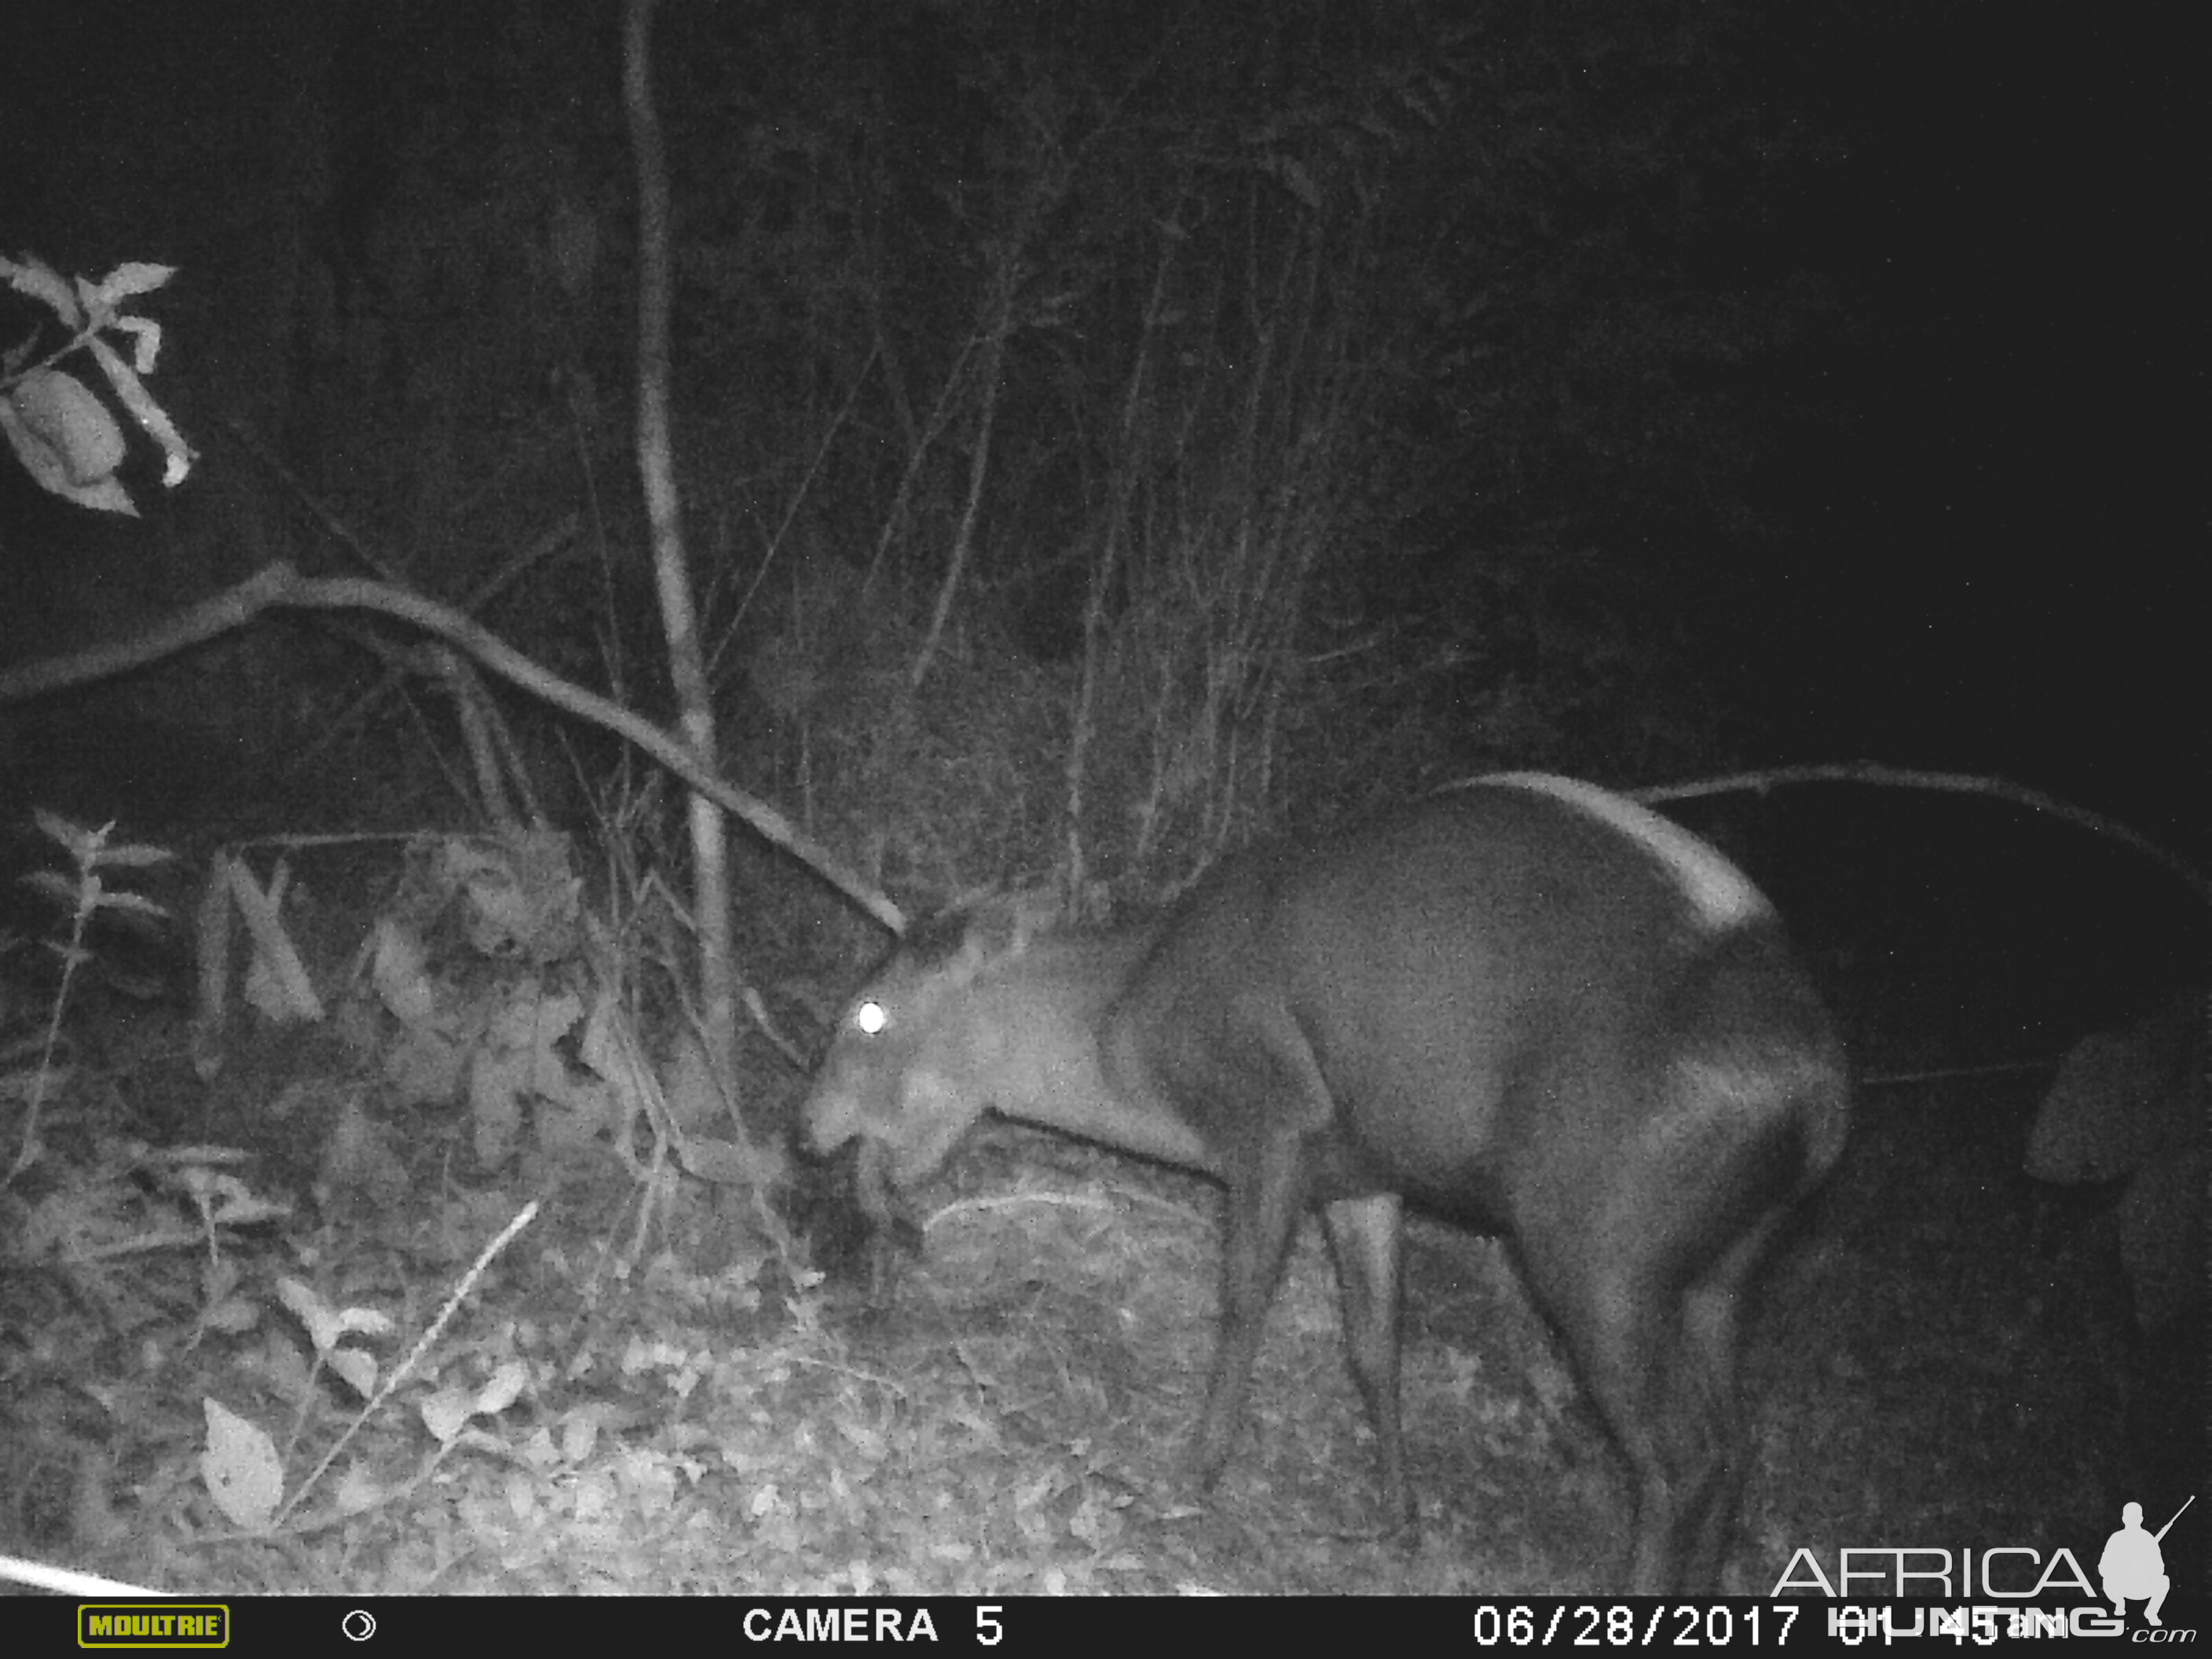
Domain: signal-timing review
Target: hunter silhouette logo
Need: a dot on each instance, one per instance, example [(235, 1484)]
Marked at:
[(2132, 1567)]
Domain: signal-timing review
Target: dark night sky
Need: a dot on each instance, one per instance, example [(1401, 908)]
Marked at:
[(2009, 566), (2029, 219)]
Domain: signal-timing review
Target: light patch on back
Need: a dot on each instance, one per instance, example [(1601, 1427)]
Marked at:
[(1720, 894)]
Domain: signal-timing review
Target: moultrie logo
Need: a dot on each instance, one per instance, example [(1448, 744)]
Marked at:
[(2133, 1568)]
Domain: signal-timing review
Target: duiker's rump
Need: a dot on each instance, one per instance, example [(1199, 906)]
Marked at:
[(1527, 1005)]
